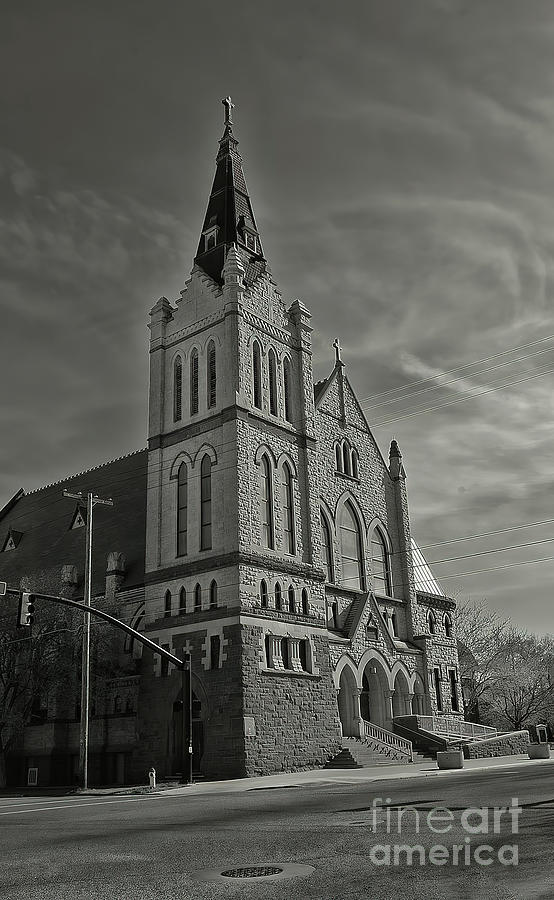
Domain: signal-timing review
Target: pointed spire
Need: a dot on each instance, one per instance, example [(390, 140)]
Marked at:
[(229, 217), (396, 466)]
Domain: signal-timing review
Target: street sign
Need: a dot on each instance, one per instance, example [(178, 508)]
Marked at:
[(3, 588)]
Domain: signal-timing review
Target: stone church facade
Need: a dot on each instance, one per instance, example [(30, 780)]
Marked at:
[(267, 535)]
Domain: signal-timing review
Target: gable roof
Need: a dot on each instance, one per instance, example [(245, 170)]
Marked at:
[(44, 518), (425, 581)]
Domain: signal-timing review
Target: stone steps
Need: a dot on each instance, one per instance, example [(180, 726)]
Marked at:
[(356, 754)]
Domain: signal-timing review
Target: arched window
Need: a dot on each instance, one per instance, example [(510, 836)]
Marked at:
[(266, 503), (213, 594), (211, 376), (288, 510), (272, 365), (448, 626), (351, 549), (263, 593), (346, 458), (206, 503), (182, 510), (278, 597), (380, 564), (355, 464), (287, 386), (326, 549), (167, 604), (431, 622), (177, 389), (194, 382), (292, 600), (338, 457), (182, 602), (305, 602), (197, 598), (257, 374)]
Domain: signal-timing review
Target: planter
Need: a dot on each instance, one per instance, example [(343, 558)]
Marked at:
[(450, 759), (538, 751)]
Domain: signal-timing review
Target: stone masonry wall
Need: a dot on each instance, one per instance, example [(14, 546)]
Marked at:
[(503, 745)]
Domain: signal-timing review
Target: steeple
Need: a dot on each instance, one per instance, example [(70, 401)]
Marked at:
[(229, 217)]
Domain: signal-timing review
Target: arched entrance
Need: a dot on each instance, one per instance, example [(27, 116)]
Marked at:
[(419, 705), (401, 702), (349, 712), (375, 696), (177, 735)]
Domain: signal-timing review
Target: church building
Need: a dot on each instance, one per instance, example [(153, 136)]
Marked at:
[(262, 530)]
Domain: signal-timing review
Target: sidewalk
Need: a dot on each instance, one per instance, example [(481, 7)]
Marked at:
[(358, 776)]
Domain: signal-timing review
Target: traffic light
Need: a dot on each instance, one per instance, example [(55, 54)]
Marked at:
[(25, 617)]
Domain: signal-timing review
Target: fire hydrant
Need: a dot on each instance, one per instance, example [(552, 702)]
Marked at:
[(152, 777)]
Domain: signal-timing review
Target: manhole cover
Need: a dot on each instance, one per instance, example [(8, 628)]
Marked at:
[(252, 872), (260, 872)]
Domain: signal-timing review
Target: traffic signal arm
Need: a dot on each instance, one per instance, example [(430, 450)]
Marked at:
[(25, 615)]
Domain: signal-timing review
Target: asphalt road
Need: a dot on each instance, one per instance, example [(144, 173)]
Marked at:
[(150, 847)]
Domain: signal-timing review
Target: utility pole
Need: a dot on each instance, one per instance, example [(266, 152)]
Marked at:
[(92, 500)]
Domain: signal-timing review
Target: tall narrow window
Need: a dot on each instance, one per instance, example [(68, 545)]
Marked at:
[(194, 382), (278, 597), (213, 594), (287, 390), (263, 594), (266, 504), (346, 458), (448, 626), (431, 622), (355, 464), (380, 564), (182, 602), (438, 690), (211, 379), (272, 365), (453, 690), (167, 604), (206, 503), (215, 651), (326, 551), (177, 389), (338, 458), (197, 598), (288, 510), (351, 549), (257, 374), (292, 600), (182, 510), (305, 602)]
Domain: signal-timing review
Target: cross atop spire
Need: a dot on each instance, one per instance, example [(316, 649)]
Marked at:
[(338, 348), (229, 107)]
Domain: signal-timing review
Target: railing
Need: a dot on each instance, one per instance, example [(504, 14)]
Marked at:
[(388, 739), (451, 725)]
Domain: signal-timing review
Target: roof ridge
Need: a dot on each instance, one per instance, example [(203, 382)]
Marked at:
[(85, 471)]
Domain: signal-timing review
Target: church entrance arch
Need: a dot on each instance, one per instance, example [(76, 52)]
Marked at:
[(419, 705), (374, 699), (348, 703), (177, 734), (401, 705)]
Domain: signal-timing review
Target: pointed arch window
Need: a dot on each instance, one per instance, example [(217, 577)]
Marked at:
[(257, 374), (305, 602), (272, 365), (177, 390), (448, 626), (213, 594), (326, 550), (278, 596), (263, 594), (355, 473), (197, 598), (380, 564), (211, 379), (167, 604), (292, 599), (266, 504), (194, 382), (182, 510), (287, 386), (351, 549), (182, 602), (206, 503), (288, 510), (338, 457), (431, 622)]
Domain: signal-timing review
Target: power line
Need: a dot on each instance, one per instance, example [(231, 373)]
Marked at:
[(499, 387), (459, 368), (436, 562), (472, 537)]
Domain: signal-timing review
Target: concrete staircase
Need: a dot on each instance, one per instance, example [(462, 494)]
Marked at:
[(355, 754)]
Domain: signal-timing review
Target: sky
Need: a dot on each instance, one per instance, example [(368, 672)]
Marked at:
[(400, 161)]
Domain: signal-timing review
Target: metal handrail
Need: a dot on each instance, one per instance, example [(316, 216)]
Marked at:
[(453, 726)]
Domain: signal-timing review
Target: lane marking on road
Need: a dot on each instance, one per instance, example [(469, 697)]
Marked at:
[(20, 811)]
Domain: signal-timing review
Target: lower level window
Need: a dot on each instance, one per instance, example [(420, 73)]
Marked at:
[(287, 653)]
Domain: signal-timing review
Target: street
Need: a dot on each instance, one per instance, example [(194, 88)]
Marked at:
[(150, 846)]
